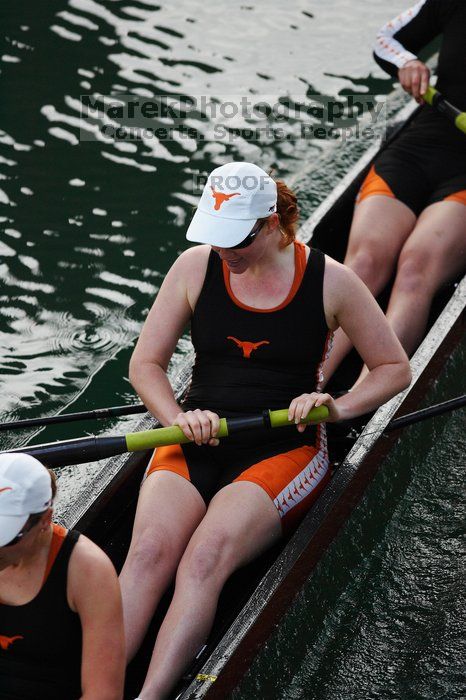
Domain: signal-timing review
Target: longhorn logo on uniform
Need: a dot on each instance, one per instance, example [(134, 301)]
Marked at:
[(246, 346), (6, 642), (221, 197)]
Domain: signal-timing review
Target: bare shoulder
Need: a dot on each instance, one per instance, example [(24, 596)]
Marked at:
[(92, 587), (89, 563), (190, 267), (337, 275), (193, 261)]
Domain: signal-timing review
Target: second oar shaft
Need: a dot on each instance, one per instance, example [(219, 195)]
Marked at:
[(96, 413), (429, 412)]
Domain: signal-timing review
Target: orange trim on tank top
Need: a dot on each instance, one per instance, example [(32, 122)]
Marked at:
[(58, 537), (373, 185), (459, 197), (299, 269)]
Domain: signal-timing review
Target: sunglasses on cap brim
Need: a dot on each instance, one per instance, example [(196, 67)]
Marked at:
[(250, 237)]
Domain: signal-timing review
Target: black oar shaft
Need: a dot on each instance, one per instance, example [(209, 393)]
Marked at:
[(429, 412), (442, 105), (97, 413), (237, 425), (438, 102), (68, 452)]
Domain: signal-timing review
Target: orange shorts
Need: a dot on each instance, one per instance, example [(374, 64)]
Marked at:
[(292, 479)]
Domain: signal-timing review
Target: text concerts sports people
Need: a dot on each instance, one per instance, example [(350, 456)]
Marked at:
[(411, 215), (262, 308), (61, 623)]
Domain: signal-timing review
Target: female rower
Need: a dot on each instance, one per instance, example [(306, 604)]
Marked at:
[(262, 308), (410, 218), (61, 623)]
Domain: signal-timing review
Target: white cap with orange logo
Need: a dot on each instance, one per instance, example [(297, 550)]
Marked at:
[(234, 197), (25, 488)]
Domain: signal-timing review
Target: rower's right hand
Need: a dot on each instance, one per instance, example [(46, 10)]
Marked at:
[(414, 77), (199, 426)]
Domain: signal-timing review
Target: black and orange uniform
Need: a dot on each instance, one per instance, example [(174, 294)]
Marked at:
[(427, 162), (249, 360), (41, 641)]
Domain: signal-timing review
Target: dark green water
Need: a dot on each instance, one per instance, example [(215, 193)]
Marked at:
[(383, 615), (89, 225)]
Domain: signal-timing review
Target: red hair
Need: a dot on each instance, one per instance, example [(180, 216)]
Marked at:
[(288, 213), (53, 480)]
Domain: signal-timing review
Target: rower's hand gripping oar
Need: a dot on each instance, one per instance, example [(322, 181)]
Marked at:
[(90, 449), (435, 98)]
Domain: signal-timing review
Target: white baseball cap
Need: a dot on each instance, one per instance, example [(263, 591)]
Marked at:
[(25, 488), (234, 197)]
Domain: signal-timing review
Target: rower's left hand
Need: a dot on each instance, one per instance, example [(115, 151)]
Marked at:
[(301, 405)]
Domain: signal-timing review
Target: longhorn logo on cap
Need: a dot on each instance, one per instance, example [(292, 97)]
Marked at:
[(221, 197)]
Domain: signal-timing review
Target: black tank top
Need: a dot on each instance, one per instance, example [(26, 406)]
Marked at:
[(41, 642), (248, 360)]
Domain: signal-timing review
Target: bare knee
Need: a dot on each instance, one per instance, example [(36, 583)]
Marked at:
[(414, 274), (206, 560), (150, 550), (369, 263)]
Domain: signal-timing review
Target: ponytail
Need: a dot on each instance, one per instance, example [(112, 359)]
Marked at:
[(288, 213)]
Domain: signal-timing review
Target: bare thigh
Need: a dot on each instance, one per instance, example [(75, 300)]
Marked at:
[(379, 230), (169, 510), (437, 246), (241, 522)]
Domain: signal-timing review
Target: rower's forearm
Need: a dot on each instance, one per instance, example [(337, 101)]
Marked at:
[(378, 387), (154, 388)]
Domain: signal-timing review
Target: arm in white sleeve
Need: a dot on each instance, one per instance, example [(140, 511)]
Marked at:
[(399, 40)]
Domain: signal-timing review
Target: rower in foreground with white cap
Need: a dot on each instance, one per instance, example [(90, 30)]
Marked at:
[(262, 308), (61, 625)]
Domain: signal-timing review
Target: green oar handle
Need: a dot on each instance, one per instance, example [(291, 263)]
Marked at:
[(429, 95), (435, 98), (280, 418), (173, 435)]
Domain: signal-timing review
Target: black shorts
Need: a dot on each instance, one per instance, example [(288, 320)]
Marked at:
[(417, 173)]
